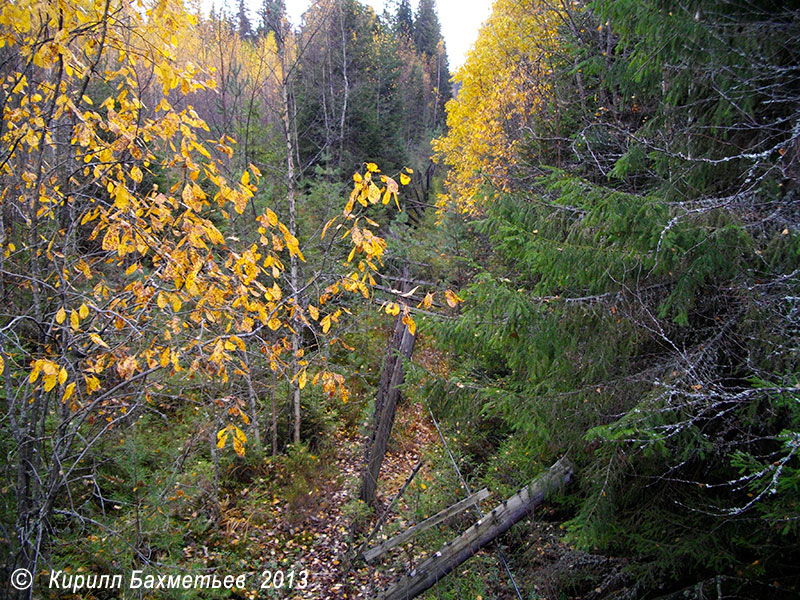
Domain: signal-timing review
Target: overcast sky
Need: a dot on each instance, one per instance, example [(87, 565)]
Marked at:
[(460, 21)]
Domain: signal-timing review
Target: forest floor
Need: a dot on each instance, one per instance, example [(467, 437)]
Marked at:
[(303, 526), (316, 536), (327, 554), (297, 516)]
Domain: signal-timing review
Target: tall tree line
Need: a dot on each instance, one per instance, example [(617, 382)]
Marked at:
[(366, 86), (630, 176)]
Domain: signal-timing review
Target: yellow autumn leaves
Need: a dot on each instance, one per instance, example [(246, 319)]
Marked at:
[(75, 316), (366, 191), (452, 298), (169, 289), (239, 438), (52, 374), (394, 308), (503, 84), (409, 322)]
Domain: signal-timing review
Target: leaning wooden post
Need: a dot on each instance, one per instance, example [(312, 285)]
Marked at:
[(497, 522), (386, 403)]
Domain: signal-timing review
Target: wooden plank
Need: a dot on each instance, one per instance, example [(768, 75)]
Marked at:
[(502, 517), (442, 515)]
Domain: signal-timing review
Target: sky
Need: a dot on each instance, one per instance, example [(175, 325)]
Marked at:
[(460, 21)]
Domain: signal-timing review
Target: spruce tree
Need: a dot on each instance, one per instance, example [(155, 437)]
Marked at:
[(245, 30), (632, 294), (405, 19), (273, 13), (427, 31)]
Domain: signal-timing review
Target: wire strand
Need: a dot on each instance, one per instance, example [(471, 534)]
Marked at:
[(469, 493)]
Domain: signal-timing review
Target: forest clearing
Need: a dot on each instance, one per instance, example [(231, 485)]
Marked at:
[(291, 308)]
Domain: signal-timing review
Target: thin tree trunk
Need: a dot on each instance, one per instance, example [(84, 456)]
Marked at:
[(274, 414), (253, 405), (346, 84), (293, 270)]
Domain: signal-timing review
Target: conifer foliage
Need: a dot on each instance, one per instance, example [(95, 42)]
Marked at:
[(634, 277), (200, 214)]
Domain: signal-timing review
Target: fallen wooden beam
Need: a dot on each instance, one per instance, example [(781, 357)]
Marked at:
[(497, 522), (442, 515)]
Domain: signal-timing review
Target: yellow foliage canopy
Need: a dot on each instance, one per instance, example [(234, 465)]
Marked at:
[(503, 85), (170, 292)]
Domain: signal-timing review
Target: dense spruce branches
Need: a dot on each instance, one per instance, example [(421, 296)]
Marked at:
[(634, 274)]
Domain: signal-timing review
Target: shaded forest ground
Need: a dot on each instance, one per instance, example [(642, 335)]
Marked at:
[(283, 527), (286, 530)]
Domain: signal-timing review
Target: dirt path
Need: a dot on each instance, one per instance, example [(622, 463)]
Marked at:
[(319, 542)]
